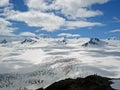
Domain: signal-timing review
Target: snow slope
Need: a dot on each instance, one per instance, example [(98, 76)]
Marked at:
[(33, 65)]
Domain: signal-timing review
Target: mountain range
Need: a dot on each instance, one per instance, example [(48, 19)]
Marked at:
[(31, 63)]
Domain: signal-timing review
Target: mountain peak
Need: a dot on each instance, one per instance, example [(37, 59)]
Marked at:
[(29, 40), (3, 41), (93, 42)]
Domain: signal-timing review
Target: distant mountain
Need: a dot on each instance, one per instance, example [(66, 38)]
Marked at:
[(94, 42), (44, 36), (112, 38), (28, 41), (62, 41), (4, 41), (34, 62)]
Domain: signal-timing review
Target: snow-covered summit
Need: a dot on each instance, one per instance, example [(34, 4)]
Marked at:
[(112, 38), (29, 40), (4, 41), (94, 42)]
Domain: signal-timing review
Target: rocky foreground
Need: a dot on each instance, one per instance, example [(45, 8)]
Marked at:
[(92, 82)]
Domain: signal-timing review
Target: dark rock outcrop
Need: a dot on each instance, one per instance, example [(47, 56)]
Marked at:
[(112, 38), (64, 41), (28, 41), (93, 42), (3, 41), (93, 82)]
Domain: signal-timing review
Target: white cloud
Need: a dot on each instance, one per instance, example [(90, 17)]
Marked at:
[(5, 29), (64, 34), (68, 35), (4, 23), (81, 24), (27, 34), (61, 4), (8, 11), (76, 10), (87, 3), (49, 22), (46, 21), (84, 13), (38, 5), (116, 19), (4, 3), (70, 8), (115, 31)]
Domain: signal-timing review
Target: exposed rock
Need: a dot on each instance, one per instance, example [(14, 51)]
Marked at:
[(3, 41), (112, 38), (28, 41), (92, 82), (94, 42)]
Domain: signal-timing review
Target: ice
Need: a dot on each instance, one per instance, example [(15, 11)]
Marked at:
[(39, 64)]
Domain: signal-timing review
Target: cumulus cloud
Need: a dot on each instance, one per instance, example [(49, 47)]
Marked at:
[(69, 8), (45, 21), (81, 24), (27, 34), (49, 22), (47, 14), (40, 5), (68, 35), (61, 4), (84, 13), (4, 3), (77, 9), (115, 31), (5, 29)]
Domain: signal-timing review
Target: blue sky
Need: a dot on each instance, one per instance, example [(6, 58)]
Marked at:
[(96, 18)]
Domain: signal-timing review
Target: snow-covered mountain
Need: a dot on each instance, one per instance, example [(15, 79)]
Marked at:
[(29, 40), (3, 41), (46, 60), (112, 38), (94, 42)]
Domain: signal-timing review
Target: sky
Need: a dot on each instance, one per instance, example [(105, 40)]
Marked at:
[(70, 18)]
